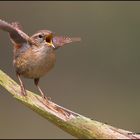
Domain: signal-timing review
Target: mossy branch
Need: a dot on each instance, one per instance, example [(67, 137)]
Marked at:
[(71, 122)]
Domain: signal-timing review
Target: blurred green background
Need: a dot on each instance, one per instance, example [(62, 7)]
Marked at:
[(98, 77)]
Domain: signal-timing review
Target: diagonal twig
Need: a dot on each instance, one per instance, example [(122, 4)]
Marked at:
[(71, 122)]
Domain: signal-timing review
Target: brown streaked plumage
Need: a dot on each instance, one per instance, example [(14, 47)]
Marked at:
[(33, 56)]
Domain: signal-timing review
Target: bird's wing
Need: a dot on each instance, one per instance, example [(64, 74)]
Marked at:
[(59, 41), (16, 34), (17, 25)]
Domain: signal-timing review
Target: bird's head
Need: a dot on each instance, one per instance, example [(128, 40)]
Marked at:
[(44, 36)]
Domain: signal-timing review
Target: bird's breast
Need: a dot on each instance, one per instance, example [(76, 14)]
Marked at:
[(35, 62)]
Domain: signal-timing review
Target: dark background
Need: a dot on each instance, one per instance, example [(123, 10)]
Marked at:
[(98, 77)]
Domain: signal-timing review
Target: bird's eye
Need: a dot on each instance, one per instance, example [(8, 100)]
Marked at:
[(40, 36)]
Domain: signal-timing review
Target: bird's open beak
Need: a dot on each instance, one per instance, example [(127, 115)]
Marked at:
[(51, 44), (49, 41)]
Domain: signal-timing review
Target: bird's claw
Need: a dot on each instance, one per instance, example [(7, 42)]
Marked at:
[(23, 93)]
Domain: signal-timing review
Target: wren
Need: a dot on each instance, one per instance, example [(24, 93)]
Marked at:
[(34, 56)]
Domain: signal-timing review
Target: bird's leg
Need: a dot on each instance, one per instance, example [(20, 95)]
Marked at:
[(36, 81), (23, 91)]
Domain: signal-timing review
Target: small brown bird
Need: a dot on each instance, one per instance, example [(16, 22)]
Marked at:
[(34, 56)]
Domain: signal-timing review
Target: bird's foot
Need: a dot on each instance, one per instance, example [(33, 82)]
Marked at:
[(46, 99), (48, 103), (23, 91)]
